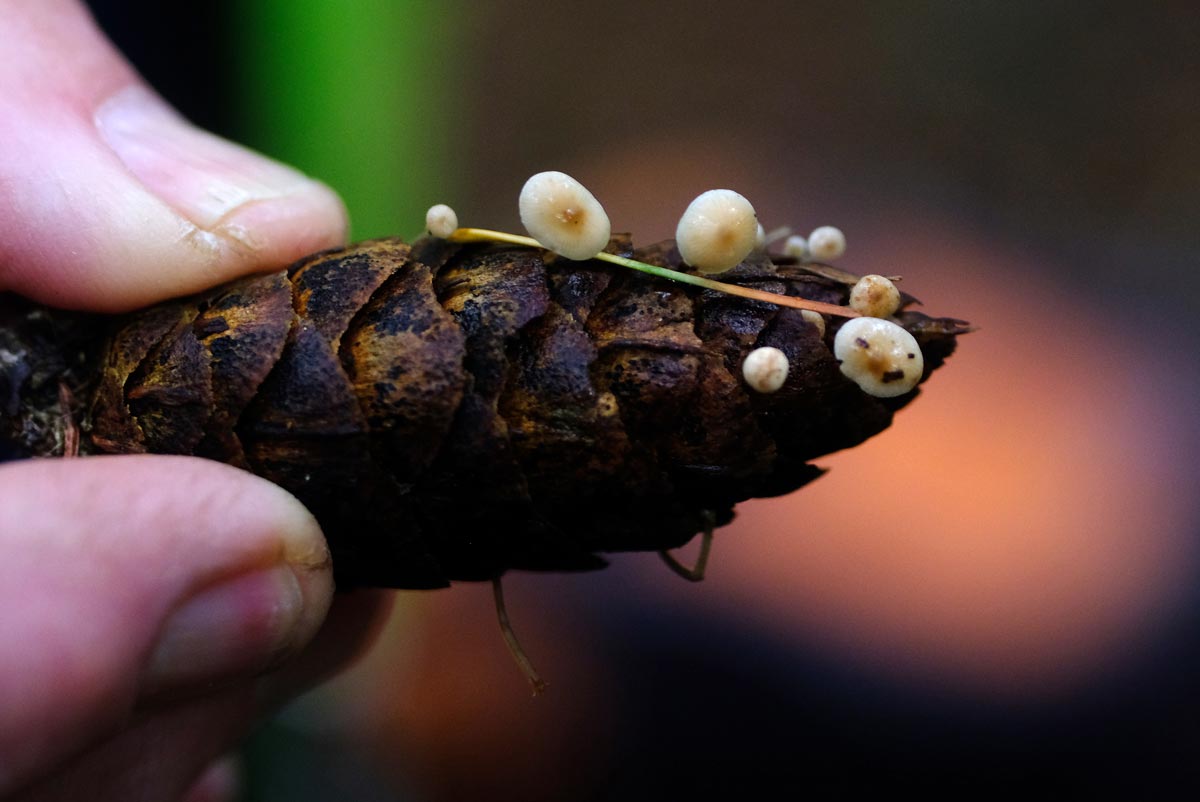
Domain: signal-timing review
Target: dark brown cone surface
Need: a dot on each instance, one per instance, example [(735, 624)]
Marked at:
[(451, 412)]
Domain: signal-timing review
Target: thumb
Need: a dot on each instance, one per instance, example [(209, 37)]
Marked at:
[(109, 199), (127, 578)]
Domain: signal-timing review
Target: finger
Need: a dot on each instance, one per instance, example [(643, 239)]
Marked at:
[(163, 749), (354, 622), (127, 578), (160, 756), (109, 200)]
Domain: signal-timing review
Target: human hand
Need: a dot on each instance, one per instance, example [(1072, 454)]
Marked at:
[(151, 608)]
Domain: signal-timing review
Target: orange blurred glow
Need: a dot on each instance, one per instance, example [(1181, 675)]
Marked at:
[(1023, 528), (1020, 526), (439, 693)]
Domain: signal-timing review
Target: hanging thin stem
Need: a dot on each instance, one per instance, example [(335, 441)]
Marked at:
[(696, 572), (514, 646)]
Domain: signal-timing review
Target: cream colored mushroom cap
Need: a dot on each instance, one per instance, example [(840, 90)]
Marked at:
[(563, 216), (765, 369), (815, 319), (441, 221), (796, 247), (875, 296), (717, 231), (826, 242), (880, 357)]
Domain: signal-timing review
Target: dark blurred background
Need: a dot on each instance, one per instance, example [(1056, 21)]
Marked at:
[(1029, 622)]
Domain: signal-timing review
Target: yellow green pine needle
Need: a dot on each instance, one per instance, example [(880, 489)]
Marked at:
[(485, 235)]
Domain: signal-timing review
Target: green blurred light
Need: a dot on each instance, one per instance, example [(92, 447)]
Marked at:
[(355, 93)]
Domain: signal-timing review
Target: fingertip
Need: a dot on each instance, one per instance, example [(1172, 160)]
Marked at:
[(277, 231), (218, 516), (354, 622), (111, 200), (108, 557), (246, 211)]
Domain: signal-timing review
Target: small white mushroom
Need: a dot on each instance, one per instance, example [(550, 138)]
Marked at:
[(796, 247), (717, 231), (441, 221), (879, 356), (765, 369), (814, 318), (875, 296), (826, 243), (760, 238), (563, 216)]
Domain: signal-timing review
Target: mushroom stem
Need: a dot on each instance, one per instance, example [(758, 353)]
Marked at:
[(486, 235), (514, 646), (696, 572)]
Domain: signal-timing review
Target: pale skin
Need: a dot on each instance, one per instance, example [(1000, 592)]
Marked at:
[(152, 609)]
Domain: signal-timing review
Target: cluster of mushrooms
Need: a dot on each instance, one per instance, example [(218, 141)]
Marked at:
[(718, 230)]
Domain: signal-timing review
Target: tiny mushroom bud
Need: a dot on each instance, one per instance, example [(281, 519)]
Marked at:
[(796, 247), (826, 243), (879, 356), (875, 296), (816, 319), (765, 369), (717, 231), (760, 238), (441, 221), (563, 216)]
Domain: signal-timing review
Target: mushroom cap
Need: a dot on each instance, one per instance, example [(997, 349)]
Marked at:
[(441, 220), (796, 247), (826, 242), (765, 369), (563, 216), (875, 296), (717, 231), (816, 319), (880, 357)]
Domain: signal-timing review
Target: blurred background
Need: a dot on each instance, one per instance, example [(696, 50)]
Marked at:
[(1025, 616)]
